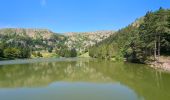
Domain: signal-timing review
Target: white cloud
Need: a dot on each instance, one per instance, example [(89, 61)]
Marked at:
[(43, 3)]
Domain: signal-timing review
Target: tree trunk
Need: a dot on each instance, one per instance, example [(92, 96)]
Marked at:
[(159, 47), (155, 49)]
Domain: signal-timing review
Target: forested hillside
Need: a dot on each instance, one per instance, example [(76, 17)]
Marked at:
[(144, 40), (21, 43)]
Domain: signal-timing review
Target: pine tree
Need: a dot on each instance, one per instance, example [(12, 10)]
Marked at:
[(169, 20), (1, 49), (148, 34), (160, 26), (73, 52)]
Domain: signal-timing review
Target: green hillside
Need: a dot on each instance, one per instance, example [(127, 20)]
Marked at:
[(144, 40)]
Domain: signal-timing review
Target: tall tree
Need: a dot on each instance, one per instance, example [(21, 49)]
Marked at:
[(155, 26), (169, 20), (1, 49), (160, 26), (73, 52), (148, 34)]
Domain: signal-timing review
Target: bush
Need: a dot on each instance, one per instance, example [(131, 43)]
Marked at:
[(25, 52), (50, 49), (65, 52), (1, 49), (12, 53), (73, 53), (39, 54)]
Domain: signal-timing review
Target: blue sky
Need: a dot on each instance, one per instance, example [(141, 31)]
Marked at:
[(74, 15)]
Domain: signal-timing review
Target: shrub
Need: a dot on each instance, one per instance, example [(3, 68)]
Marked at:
[(12, 53)]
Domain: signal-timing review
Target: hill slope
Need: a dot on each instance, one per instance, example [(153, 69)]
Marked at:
[(82, 41), (141, 41)]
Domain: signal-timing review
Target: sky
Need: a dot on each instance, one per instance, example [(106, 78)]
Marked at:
[(75, 15)]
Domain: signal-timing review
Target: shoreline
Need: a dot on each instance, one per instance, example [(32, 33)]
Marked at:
[(38, 60), (164, 63), (160, 65)]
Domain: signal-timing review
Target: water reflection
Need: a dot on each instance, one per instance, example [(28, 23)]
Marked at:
[(40, 74), (132, 80)]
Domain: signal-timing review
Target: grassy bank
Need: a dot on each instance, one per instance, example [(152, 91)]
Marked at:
[(46, 55), (85, 55)]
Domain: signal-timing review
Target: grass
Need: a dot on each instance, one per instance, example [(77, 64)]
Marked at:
[(85, 55), (47, 55)]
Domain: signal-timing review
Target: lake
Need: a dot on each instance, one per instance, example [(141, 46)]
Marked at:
[(81, 79)]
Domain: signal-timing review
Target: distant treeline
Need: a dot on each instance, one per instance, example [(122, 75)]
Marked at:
[(144, 40)]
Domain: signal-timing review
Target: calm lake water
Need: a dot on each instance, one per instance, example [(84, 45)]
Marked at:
[(81, 79)]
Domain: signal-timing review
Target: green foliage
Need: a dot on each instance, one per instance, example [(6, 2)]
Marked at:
[(73, 52), (169, 21), (65, 52), (50, 49), (39, 54), (9, 51), (25, 52), (34, 54), (12, 53), (155, 31), (26, 44), (1, 50)]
